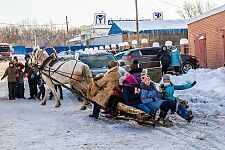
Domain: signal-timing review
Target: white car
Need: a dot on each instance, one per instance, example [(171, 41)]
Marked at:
[(67, 55)]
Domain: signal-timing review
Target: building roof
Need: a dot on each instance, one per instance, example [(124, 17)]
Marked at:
[(148, 26), (207, 14)]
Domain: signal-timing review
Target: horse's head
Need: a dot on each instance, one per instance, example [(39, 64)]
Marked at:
[(38, 55)]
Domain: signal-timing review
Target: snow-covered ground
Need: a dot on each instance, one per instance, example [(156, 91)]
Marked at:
[(26, 125)]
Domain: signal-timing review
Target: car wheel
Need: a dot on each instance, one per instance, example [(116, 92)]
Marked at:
[(186, 67)]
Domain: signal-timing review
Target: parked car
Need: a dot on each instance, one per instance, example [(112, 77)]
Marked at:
[(67, 55), (6, 51), (119, 56), (148, 56), (97, 60)]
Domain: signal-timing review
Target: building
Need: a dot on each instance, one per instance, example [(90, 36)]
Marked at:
[(91, 31), (206, 37), (154, 31)]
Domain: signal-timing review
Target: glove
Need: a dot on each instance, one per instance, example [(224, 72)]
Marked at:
[(2, 78), (162, 86), (193, 83)]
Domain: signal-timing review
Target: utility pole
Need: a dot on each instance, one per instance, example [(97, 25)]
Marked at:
[(137, 23), (67, 29)]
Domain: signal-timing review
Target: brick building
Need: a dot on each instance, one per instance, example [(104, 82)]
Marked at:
[(206, 35)]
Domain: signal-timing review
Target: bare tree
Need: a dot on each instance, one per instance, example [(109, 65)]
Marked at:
[(192, 9), (25, 34)]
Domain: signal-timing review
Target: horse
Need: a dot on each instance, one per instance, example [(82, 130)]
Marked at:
[(71, 72)]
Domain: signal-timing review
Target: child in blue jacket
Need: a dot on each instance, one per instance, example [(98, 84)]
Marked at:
[(152, 99), (168, 89)]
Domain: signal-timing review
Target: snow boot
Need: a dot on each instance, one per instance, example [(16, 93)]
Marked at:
[(165, 122), (189, 116)]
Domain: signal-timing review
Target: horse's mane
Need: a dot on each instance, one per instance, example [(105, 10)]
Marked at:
[(46, 61)]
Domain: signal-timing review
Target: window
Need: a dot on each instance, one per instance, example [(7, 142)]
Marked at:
[(151, 51), (97, 61)]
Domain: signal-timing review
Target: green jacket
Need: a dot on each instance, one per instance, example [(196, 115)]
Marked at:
[(11, 72)]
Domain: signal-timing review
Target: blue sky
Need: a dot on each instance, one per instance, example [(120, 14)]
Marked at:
[(81, 12)]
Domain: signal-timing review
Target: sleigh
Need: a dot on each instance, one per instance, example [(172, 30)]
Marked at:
[(125, 112)]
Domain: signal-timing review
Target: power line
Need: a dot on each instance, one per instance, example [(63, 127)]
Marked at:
[(169, 4)]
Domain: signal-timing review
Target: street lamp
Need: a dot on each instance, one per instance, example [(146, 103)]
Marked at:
[(137, 23)]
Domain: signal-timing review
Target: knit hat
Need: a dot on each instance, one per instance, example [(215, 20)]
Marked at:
[(166, 77), (130, 80)]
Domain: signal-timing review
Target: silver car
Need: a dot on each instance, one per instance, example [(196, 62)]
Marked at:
[(98, 61)]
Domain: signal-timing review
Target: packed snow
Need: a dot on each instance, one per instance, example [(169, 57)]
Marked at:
[(25, 124)]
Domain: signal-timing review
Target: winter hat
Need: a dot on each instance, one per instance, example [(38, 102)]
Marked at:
[(130, 80), (113, 64), (166, 77)]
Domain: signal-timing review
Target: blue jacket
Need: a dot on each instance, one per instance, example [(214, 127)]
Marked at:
[(170, 89), (150, 95), (129, 96), (175, 58)]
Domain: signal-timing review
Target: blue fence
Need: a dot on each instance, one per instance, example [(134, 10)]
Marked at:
[(24, 50)]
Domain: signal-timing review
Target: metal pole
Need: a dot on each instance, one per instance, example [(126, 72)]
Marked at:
[(137, 23)]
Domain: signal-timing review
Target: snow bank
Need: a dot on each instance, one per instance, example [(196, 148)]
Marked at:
[(208, 80)]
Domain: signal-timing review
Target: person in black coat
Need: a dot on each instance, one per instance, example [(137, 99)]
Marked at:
[(165, 58), (40, 81)]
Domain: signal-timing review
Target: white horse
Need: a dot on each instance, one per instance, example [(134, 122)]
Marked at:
[(66, 72)]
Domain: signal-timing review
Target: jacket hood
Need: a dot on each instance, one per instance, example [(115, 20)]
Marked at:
[(12, 62), (114, 69)]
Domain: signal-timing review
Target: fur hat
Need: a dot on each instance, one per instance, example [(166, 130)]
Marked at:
[(166, 77), (113, 64)]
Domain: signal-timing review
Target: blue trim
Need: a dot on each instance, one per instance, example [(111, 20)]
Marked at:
[(115, 29), (158, 32)]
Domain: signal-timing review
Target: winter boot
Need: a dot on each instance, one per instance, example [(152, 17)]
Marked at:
[(165, 122), (189, 116), (93, 116)]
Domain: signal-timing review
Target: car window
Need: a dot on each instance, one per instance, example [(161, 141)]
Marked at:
[(119, 56), (97, 61), (151, 51)]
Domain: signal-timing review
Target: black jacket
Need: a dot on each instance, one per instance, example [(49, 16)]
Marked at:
[(164, 57)]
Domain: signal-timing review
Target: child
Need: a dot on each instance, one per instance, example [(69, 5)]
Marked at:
[(12, 73), (152, 99), (20, 82), (168, 89), (41, 93)]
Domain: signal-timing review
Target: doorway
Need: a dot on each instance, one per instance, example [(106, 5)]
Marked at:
[(200, 49)]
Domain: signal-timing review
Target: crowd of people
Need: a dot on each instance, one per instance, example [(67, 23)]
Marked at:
[(136, 89), (17, 71)]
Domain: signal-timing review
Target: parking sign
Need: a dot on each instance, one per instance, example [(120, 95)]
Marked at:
[(157, 15)]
